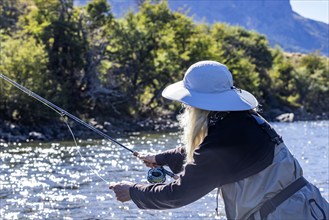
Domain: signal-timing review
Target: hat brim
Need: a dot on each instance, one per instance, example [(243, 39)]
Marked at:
[(230, 100)]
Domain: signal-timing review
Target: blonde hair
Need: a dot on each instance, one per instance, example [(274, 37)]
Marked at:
[(194, 123)]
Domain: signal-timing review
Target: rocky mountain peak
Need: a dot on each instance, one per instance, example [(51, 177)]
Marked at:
[(273, 18)]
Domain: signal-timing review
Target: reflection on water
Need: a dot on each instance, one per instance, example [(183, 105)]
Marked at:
[(53, 181)]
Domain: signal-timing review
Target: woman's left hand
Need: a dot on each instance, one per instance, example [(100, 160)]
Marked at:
[(121, 190)]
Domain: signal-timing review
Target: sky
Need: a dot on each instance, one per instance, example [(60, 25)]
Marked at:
[(313, 9)]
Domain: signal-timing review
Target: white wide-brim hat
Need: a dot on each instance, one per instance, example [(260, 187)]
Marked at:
[(208, 85)]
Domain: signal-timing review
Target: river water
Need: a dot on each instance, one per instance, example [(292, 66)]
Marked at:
[(63, 181)]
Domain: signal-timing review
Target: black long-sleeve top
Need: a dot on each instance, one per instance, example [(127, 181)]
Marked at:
[(235, 147)]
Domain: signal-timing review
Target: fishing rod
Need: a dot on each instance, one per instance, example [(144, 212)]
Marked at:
[(155, 175)]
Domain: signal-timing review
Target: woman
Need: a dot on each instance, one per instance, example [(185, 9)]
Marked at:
[(230, 147)]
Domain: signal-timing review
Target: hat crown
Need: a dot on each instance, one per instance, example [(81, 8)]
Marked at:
[(208, 77)]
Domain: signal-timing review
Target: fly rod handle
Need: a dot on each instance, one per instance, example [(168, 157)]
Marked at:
[(171, 174)]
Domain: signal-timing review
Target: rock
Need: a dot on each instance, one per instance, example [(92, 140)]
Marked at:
[(286, 117), (108, 125), (36, 136)]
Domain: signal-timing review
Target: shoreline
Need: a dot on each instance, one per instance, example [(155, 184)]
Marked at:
[(58, 130)]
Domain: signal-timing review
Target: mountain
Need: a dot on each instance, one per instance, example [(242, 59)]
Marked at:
[(273, 18)]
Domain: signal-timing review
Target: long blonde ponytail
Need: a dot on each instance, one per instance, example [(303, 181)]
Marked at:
[(195, 127)]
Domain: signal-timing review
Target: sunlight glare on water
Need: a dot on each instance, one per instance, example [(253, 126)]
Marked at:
[(52, 180)]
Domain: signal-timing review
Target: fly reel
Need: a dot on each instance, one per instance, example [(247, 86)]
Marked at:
[(156, 175)]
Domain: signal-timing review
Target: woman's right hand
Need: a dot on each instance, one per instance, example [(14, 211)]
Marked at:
[(148, 159)]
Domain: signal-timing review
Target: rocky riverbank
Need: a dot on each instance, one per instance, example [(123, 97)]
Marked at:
[(58, 130)]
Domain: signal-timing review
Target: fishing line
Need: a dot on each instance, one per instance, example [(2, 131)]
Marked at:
[(155, 175), (82, 157), (61, 113)]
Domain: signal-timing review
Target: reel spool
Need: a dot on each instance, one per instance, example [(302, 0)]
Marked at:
[(156, 175)]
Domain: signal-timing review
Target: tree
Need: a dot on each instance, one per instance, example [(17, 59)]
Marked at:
[(56, 24), (10, 11), (283, 81), (25, 61), (149, 50), (312, 80)]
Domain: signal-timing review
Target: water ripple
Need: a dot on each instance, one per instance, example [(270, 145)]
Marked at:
[(58, 181)]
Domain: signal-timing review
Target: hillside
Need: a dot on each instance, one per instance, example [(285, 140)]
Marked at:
[(275, 19), (111, 71)]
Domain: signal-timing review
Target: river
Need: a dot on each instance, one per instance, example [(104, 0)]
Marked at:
[(59, 180)]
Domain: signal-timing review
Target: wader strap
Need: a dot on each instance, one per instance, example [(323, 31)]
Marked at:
[(277, 139), (271, 204)]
